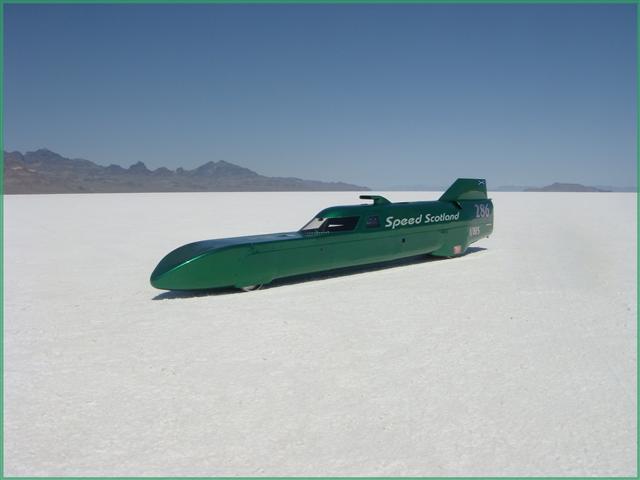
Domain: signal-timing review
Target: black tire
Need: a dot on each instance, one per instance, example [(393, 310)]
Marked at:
[(251, 288)]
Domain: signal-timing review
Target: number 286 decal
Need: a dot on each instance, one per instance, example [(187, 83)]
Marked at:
[(482, 210)]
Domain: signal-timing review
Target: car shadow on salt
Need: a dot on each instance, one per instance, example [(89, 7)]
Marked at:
[(312, 277)]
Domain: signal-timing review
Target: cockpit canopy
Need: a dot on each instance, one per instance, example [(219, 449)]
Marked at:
[(347, 218)]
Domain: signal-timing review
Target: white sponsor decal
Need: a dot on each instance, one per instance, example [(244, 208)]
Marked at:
[(426, 218), (443, 217)]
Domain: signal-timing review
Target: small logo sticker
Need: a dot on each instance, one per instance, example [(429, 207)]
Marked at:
[(457, 249)]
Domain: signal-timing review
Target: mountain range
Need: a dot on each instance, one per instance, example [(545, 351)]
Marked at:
[(44, 171)]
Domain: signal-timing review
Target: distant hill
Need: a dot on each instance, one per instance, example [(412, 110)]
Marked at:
[(44, 171), (565, 187), (608, 188)]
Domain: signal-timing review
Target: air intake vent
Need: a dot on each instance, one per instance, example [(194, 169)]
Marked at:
[(377, 199)]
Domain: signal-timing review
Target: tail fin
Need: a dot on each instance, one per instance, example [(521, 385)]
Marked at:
[(466, 189)]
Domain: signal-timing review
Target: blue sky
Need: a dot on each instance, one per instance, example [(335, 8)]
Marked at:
[(376, 95)]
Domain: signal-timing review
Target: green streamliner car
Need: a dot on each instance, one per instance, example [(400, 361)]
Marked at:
[(336, 237)]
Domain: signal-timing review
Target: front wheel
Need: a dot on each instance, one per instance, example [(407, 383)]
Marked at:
[(250, 288)]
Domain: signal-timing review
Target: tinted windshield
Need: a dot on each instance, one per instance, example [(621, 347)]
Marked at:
[(313, 225), (341, 224)]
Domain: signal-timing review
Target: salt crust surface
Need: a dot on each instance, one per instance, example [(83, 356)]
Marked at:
[(516, 359)]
